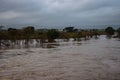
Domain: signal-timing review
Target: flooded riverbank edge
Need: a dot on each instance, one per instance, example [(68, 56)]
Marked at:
[(94, 59)]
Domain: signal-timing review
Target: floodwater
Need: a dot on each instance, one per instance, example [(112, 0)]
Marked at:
[(95, 59)]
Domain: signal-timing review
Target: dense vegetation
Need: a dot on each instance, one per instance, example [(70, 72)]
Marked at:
[(13, 36)]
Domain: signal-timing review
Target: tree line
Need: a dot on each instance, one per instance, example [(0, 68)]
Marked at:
[(12, 36)]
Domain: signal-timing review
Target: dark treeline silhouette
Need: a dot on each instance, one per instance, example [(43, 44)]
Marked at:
[(111, 32), (12, 37)]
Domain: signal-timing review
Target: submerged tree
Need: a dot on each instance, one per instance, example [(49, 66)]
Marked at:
[(41, 35), (16, 37), (118, 32), (12, 32), (27, 32), (110, 31), (1, 36), (52, 34)]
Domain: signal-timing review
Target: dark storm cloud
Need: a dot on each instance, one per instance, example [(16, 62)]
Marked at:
[(59, 12)]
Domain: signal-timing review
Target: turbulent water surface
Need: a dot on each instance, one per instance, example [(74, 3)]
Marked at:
[(95, 59)]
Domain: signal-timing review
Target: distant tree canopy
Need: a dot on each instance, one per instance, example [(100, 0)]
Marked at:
[(70, 29), (12, 31), (109, 31), (29, 30)]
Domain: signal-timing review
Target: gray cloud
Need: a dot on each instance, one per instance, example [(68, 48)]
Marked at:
[(59, 12)]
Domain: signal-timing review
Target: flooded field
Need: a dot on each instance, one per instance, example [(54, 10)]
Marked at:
[(94, 59)]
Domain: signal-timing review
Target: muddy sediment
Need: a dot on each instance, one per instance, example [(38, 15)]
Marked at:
[(87, 60)]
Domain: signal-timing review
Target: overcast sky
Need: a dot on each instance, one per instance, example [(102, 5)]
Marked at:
[(59, 13)]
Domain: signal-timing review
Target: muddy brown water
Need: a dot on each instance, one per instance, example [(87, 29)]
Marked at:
[(95, 59)]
